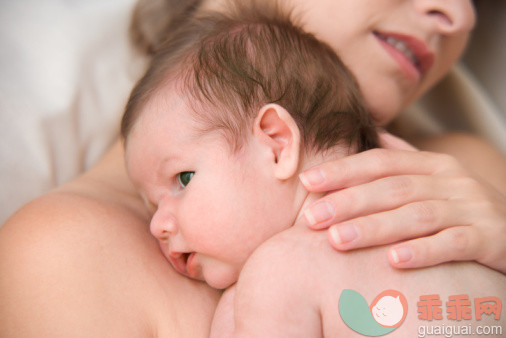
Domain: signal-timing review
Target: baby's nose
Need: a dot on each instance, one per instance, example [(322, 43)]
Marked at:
[(163, 225)]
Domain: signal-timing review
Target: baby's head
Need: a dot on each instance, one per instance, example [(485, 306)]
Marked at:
[(231, 109)]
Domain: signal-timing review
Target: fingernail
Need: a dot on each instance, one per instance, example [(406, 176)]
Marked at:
[(343, 233), (311, 177), (400, 255), (319, 212)]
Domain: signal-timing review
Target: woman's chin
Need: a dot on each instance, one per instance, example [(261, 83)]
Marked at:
[(383, 111)]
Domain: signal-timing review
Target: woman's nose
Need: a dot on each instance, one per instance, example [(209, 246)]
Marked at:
[(163, 224), (448, 16)]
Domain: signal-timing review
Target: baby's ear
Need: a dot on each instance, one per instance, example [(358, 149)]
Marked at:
[(275, 129)]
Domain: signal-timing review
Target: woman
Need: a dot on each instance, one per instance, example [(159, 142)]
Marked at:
[(111, 279), (445, 31)]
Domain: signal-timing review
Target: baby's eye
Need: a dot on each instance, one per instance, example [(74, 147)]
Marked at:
[(184, 178)]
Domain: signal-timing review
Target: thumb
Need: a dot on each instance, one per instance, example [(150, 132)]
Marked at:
[(389, 141)]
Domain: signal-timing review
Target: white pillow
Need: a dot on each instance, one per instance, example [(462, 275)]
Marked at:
[(66, 72)]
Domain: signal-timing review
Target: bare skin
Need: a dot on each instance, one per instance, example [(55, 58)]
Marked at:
[(80, 261), (462, 214), (300, 297)]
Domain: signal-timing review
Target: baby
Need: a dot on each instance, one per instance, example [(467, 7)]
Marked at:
[(216, 149), (231, 110)]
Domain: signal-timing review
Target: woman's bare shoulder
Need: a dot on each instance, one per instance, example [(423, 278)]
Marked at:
[(473, 152), (80, 261), (57, 257), (457, 143)]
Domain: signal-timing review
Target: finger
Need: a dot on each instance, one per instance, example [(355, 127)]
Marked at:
[(461, 243), (409, 221), (381, 195), (371, 165), (389, 141)]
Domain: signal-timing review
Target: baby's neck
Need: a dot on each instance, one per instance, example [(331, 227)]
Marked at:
[(304, 198), (310, 199)]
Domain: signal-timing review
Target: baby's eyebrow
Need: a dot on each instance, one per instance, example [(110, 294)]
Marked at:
[(166, 162)]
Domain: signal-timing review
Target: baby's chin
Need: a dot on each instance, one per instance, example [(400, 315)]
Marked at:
[(220, 278)]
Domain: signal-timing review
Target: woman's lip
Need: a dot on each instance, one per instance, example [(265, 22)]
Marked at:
[(423, 55)]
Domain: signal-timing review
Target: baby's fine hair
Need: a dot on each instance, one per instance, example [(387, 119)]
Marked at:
[(228, 66)]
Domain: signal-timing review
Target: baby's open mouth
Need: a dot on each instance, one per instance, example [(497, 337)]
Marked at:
[(179, 261), (186, 264)]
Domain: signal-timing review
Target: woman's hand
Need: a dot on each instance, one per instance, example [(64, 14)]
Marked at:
[(388, 195)]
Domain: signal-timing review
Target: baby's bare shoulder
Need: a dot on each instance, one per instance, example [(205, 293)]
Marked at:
[(275, 291), (290, 253), (300, 269)]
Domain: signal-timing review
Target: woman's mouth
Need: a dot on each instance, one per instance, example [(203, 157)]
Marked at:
[(403, 48), (410, 53)]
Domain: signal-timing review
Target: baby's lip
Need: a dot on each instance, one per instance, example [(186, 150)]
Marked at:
[(178, 261), (186, 263), (193, 267)]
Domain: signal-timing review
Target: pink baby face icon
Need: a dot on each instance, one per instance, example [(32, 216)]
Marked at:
[(389, 308)]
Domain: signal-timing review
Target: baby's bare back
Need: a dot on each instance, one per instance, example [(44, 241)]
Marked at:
[(306, 279)]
